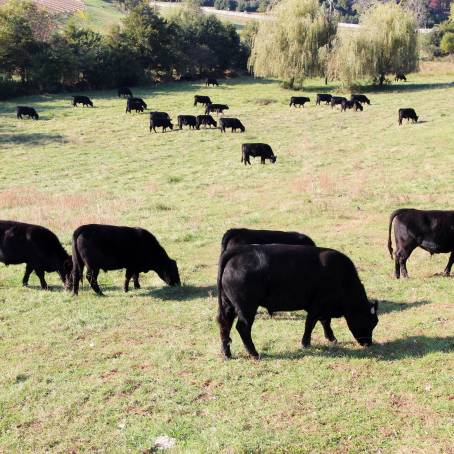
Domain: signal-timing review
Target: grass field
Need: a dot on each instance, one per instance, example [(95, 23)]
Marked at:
[(111, 374), (101, 15)]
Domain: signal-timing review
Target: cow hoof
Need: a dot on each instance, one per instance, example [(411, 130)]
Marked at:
[(306, 345), (333, 340), (256, 357)]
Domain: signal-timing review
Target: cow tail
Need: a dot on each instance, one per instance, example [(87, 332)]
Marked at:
[(391, 219), (223, 259), (77, 260)]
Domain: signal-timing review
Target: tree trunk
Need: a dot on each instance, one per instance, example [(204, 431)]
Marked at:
[(381, 80)]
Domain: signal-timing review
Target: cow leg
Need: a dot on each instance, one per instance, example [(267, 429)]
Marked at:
[(28, 271), (135, 278), (310, 323), (402, 256), (329, 335), (397, 268), (42, 281), (244, 327), (128, 277), (92, 277), (226, 316), (447, 271)]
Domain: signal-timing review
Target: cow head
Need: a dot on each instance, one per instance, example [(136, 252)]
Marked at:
[(363, 323), (168, 272), (416, 118), (273, 159), (67, 276)]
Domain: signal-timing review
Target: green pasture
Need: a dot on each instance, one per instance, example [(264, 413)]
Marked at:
[(91, 374)]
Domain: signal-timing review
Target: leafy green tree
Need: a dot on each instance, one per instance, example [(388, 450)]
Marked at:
[(385, 44), (22, 27), (447, 43), (295, 44)]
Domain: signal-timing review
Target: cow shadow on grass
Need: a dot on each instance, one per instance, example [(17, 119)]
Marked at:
[(36, 138), (406, 348), (183, 293)]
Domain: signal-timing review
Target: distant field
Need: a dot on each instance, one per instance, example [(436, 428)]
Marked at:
[(111, 374), (102, 14)]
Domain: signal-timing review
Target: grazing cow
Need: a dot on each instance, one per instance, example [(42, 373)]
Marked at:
[(218, 108), (205, 120), (29, 111), (281, 277), (298, 101), (124, 92), (84, 100), (186, 77), (239, 237), (431, 230), (360, 98), (137, 104), (162, 121), (37, 247), (189, 120), (204, 100), (233, 123), (400, 76), (326, 98), (211, 81), (257, 149), (335, 100), (408, 114), (109, 247), (351, 104)]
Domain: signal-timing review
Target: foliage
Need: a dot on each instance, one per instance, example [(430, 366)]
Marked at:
[(49, 58), (447, 43), (295, 44), (385, 44)]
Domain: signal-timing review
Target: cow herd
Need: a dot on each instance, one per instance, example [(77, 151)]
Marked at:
[(279, 271)]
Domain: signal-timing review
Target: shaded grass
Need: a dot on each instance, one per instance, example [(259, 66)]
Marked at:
[(111, 374)]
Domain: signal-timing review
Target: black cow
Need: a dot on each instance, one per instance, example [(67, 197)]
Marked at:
[(37, 247), (204, 100), (124, 92), (160, 122), (137, 104), (211, 81), (109, 247), (84, 100), (233, 123), (29, 111), (189, 120), (281, 277), (298, 101), (408, 114), (335, 100), (157, 114), (218, 108), (326, 98), (351, 104), (205, 120), (257, 149), (239, 237), (400, 76), (432, 231), (360, 98)]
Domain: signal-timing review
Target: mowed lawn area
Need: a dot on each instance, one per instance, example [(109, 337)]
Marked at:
[(91, 374)]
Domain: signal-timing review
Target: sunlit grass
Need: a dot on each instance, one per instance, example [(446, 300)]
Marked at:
[(111, 374)]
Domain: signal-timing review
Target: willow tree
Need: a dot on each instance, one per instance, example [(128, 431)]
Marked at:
[(386, 43), (294, 43)]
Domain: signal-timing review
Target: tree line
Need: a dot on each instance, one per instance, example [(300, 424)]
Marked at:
[(43, 52), (303, 41)]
